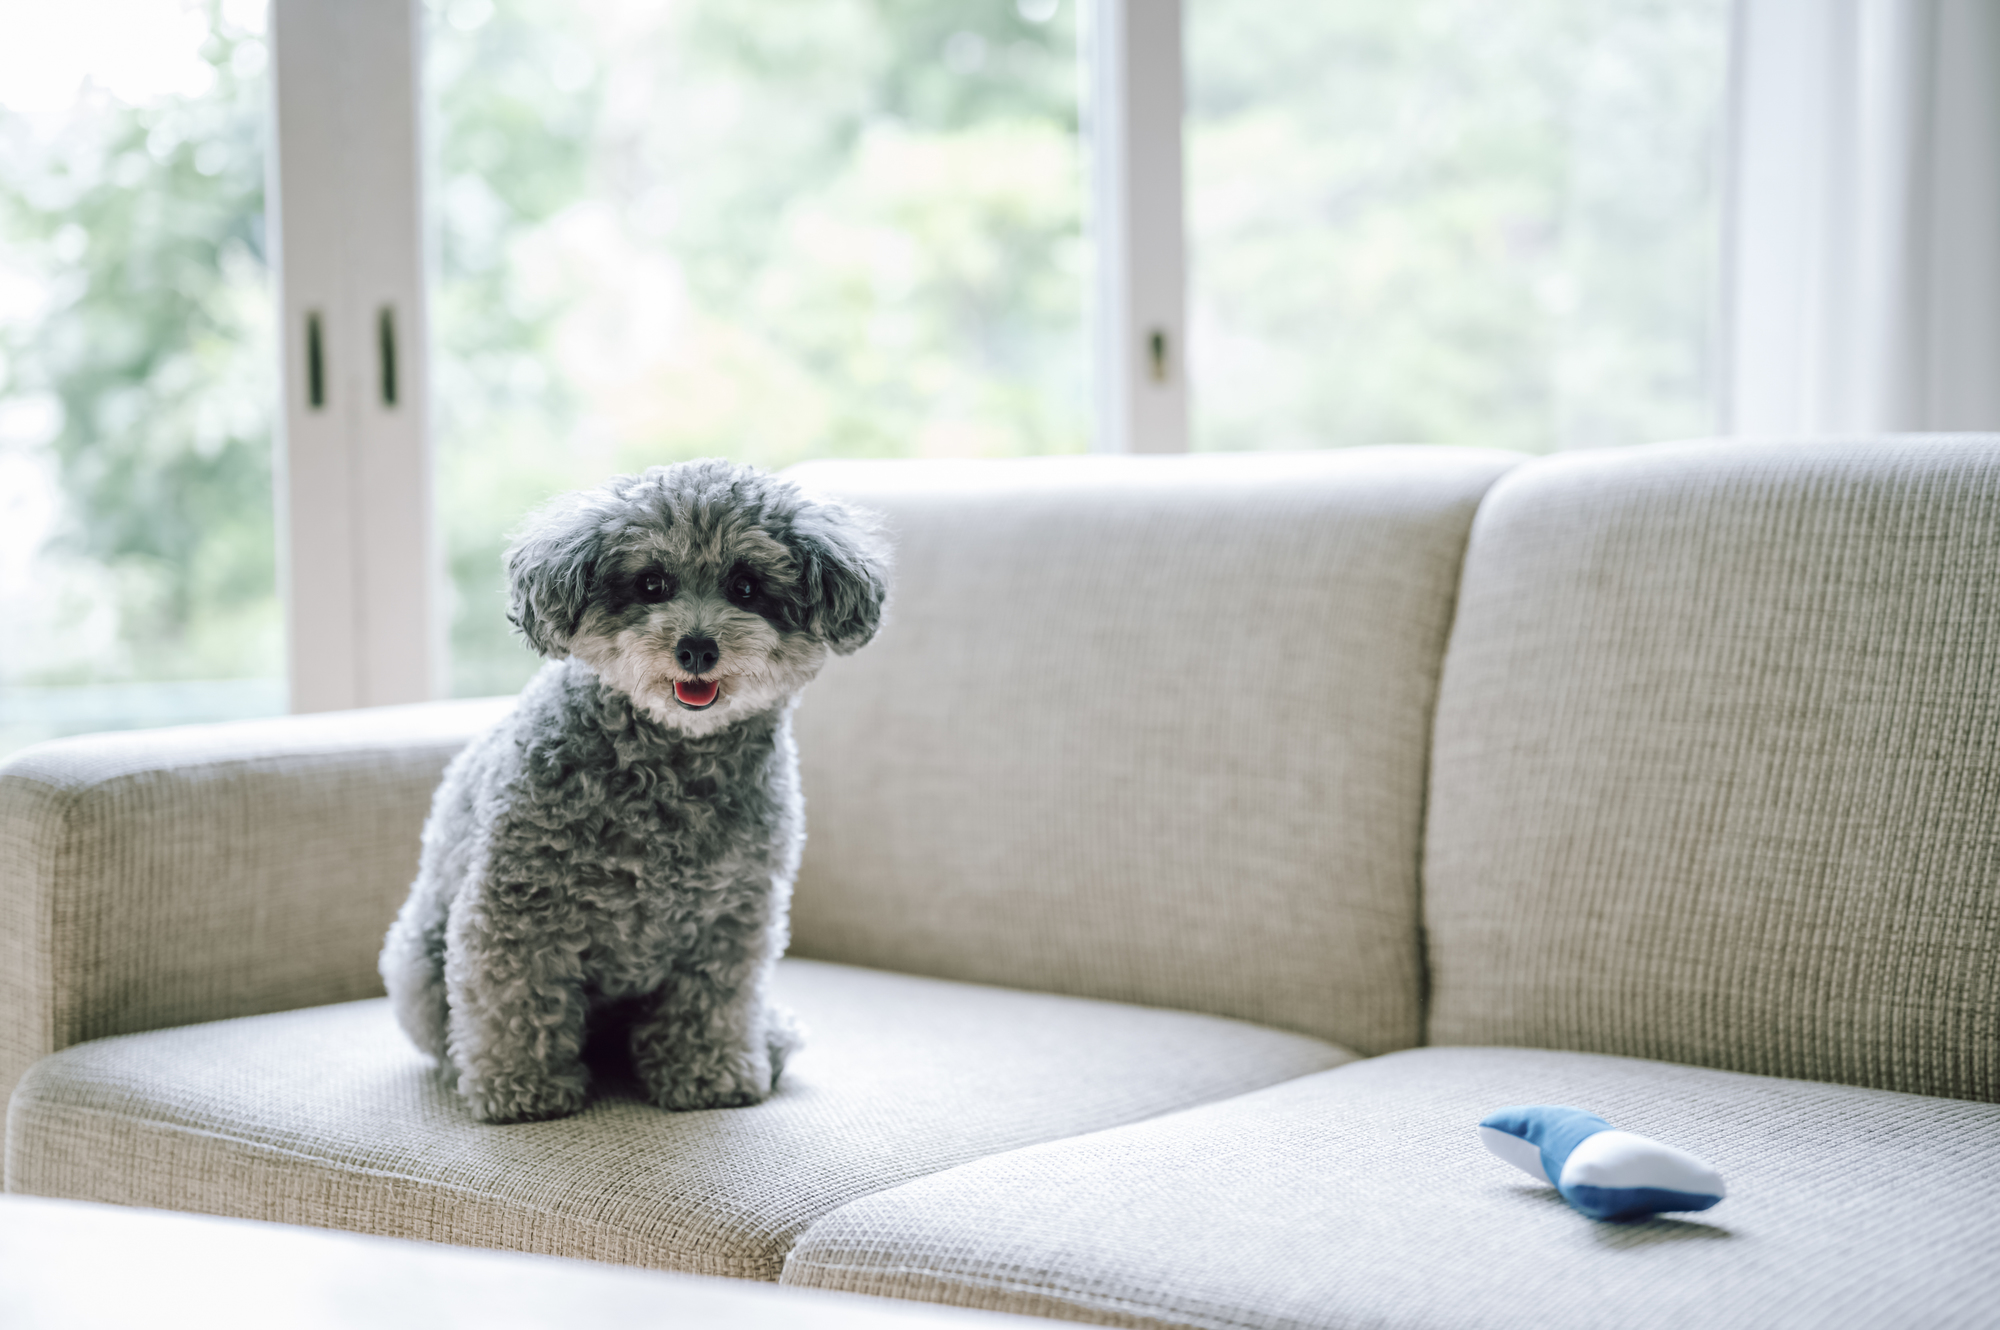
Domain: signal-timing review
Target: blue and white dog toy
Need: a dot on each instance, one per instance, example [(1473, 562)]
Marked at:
[(1604, 1172)]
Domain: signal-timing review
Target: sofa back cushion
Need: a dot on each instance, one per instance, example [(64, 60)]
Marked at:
[(1149, 729), (1717, 763)]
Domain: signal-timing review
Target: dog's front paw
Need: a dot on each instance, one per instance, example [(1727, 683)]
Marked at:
[(501, 1098), (688, 1096), (724, 1082)]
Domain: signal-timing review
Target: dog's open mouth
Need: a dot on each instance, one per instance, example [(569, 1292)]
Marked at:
[(695, 694)]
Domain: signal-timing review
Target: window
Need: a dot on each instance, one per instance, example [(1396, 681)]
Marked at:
[(529, 243), (1444, 221), (136, 370), (771, 232)]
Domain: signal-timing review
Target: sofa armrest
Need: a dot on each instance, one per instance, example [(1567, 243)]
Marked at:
[(165, 877)]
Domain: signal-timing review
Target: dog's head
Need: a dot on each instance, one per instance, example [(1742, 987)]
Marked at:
[(706, 591)]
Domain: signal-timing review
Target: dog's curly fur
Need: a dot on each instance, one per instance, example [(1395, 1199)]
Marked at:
[(609, 855)]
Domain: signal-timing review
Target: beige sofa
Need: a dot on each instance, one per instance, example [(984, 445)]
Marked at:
[(1203, 848)]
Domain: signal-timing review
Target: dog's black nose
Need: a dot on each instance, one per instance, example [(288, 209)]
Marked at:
[(697, 655)]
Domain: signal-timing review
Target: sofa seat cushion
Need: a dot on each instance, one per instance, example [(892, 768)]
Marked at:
[(1362, 1196), (327, 1116)]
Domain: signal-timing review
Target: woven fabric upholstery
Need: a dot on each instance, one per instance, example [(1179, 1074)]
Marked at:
[(1717, 766), (329, 1117), (156, 878), (1150, 729), (1362, 1197)]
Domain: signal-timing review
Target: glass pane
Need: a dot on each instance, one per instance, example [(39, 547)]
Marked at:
[(765, 231), (1449, 221), (137, 371)]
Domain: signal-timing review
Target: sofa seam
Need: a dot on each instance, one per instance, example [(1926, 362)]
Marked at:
[(1428, 768)]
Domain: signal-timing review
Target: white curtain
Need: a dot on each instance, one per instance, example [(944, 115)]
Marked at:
[(1864, 219)]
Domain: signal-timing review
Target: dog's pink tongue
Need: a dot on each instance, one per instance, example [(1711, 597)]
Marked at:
[(698, 693)]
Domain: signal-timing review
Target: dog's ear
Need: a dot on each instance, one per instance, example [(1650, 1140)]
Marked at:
[(549, 570), (843, 572)]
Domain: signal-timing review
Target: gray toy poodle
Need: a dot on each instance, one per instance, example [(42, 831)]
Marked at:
[(616, 856)]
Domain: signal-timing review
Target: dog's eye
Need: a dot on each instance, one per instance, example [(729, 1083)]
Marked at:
[(742, 588), (655, 586)]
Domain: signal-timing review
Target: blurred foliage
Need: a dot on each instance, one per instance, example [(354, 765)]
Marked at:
[(144, 229), (794, 229), (1446, 221)]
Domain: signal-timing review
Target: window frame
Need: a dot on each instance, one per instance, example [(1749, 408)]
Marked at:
[(360, 567), (1133, 107), (360, 572)]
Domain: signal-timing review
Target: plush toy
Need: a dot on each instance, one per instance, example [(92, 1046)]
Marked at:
[(1604, 1172)]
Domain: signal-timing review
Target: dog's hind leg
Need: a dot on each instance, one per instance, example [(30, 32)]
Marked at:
[(412, 965), (412, 960)]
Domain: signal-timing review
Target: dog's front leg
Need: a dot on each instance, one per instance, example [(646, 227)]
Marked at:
[(712, 1038), (515, 987)]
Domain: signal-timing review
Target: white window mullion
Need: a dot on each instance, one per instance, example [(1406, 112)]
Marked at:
[(354, 490), (1134, 110)]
